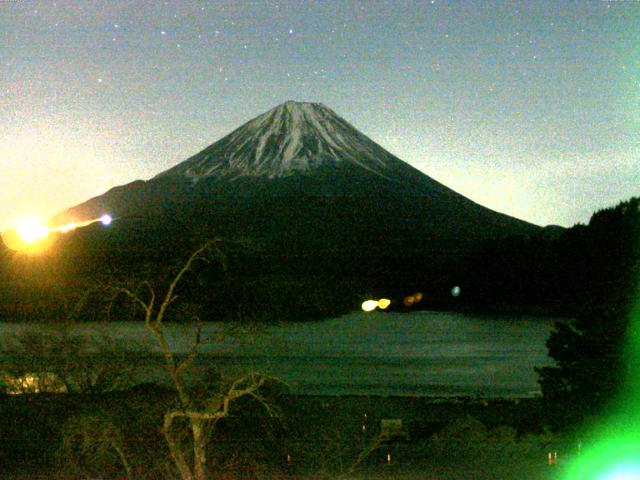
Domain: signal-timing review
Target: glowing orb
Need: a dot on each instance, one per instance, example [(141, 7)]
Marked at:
[(410, 300), (106, 219), (417, 297), (383, 303), (455, 291), (369, 305), (29, 235), (31, 230)]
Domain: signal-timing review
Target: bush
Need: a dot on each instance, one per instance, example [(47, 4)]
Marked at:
[(55, 359)]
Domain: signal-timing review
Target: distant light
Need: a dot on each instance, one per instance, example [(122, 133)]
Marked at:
[(369, 305), (408, 301), (417, 297), (455, 291), (383, 303), (31, 230), (106, 220)]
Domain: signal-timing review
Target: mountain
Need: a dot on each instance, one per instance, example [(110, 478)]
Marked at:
[(299, 179)]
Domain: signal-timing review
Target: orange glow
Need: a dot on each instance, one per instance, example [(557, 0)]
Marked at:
[(410, 300), (417, 297)]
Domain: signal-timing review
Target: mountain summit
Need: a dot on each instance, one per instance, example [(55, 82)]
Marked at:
[(292, 138)]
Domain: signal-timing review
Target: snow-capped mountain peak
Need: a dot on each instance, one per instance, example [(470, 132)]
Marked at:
[(294, 137)]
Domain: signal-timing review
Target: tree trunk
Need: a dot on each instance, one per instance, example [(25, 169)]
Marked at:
[(175, 449), (199, 450)]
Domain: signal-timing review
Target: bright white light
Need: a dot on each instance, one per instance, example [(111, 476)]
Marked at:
[(106, 219), (369, 305), (627, 471)]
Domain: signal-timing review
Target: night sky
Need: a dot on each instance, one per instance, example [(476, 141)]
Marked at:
[(530, 108)]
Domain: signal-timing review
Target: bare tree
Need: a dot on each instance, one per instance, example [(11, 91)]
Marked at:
[(199, 416)]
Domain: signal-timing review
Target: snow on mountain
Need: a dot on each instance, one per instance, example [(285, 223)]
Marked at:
[(293, 137)]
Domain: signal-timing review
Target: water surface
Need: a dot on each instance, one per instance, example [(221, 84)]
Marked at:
[(421, 353)]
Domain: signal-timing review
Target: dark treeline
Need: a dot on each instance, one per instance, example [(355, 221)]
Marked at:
[(559, 272), (556, 271)]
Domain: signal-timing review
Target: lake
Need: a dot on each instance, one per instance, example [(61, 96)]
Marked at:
[(421, 353)]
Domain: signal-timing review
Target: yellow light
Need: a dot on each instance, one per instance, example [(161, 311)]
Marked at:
[(31, 230), (29, 235), (384, 303), (369, 305)]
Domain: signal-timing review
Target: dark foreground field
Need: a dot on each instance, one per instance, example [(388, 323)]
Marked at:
[(79, 436)]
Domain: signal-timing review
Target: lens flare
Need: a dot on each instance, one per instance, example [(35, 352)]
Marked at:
[(31, 234), (383, 303), (408, 301), (369, 305), (625, 471)]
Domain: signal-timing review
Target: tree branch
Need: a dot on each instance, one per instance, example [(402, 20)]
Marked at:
[(169, 297), (194, 350)]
